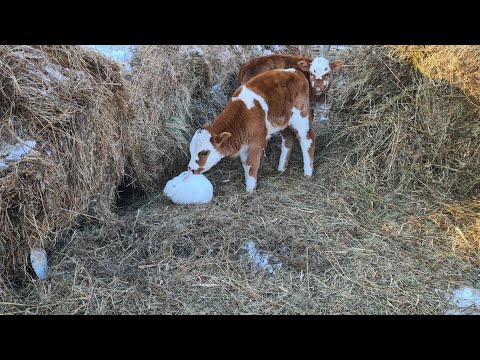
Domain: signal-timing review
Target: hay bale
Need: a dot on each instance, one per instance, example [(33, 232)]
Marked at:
[(457, 64), (407, 131), (70, 103), (177, 88)]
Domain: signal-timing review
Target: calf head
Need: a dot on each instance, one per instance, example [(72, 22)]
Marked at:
[(205, 150), (321, 73)]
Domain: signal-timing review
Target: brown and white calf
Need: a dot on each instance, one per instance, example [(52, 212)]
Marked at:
[(318, 71), (274, 101)]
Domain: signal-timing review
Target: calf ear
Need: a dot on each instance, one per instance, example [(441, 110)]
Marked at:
[(207, 125), (336, 65), (304, 65), (222, 137)]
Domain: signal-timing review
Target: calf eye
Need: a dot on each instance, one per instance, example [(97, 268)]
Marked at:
[(204, 152)]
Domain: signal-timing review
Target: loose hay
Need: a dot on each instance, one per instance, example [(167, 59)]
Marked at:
[(176, 89), (71, 102), (347, 244), (407, 131)]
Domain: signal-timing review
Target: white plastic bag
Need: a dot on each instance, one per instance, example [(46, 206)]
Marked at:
[(188, 188)]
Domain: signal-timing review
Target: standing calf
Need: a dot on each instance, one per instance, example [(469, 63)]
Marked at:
[(274, 101), (318, 71)]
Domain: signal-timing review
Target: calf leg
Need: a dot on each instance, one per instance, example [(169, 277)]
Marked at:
[(253, 163), (306, 136), (243, 157), (287, 144)]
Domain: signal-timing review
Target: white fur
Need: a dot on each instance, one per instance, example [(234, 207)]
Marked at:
[(243, 157), (251, 183), (319, 67), (188, 188), (201, 142), (248, 96), (271, 129), (283, 157), (301, 124), (289, 70)]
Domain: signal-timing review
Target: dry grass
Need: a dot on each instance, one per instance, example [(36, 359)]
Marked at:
[(344, 249), (457, 64), (175, 90), (406, 131), (360, 237), (71, 101)]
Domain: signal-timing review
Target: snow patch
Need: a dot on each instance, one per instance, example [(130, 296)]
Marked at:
[(462, 301), (16, 151), (38, 258), (259, 258), (121, 53), (56, 74)]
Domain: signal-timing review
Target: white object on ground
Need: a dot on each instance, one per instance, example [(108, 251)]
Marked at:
[(15, 152), (462, 301), (465, 297), (3, 165), (189, 188), (260, 259), (38, 259)]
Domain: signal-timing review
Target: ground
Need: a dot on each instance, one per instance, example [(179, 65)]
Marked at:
[(343, 251), (344, 248)]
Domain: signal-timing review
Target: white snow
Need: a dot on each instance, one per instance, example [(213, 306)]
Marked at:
[(189, 188), (3, 165), (465, 297), (56, 74), (16, 151), (120, 53), (38, 258), (259, 258), (462, 301)]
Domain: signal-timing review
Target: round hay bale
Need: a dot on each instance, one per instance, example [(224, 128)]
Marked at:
[(70, 102)]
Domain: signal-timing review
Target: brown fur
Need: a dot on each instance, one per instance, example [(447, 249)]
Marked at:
[(270, 62), (281, 91)]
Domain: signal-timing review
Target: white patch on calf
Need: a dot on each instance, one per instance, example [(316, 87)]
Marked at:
[(289, 70), (248, 97), (283, 156), (201, 142), (319, 67), (302, 125), (243, 157)]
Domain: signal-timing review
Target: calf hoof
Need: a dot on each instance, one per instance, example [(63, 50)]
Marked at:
[(281, 168)]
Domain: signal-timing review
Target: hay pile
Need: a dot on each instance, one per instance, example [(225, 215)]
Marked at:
[(459, 64), (410, 116), (407, 131), (177, 88), (69, 102)]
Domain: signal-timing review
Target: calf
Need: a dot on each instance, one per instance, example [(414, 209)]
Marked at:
[(318, 71), (274, 101)]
